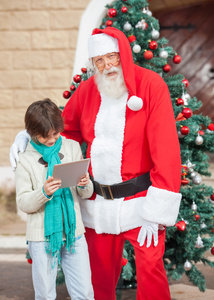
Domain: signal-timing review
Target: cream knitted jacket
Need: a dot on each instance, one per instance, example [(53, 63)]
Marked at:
[(30, 176)]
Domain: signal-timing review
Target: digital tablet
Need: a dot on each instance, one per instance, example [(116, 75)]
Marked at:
[(70, 173)]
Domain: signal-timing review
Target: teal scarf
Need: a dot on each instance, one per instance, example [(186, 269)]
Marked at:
[(60, 209)]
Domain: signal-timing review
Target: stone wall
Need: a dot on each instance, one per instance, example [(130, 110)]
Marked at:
[(37, 47)]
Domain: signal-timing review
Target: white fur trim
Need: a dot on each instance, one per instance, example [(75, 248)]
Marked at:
[(107, 146), (161, 206), (135, 103), (101, 44), (115, 216)]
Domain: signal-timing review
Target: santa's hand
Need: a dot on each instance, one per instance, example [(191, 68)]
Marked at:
[(147, 231), (19, 145)]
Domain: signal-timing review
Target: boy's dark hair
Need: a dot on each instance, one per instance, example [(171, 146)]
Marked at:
[(41, 116)]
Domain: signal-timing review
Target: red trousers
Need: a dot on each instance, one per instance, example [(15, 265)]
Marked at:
[(105, 252)]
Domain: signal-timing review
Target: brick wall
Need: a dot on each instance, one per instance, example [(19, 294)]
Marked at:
[(37, 47)]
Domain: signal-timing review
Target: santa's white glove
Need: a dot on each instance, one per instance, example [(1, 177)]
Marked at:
[(147, 231), (19, 145)]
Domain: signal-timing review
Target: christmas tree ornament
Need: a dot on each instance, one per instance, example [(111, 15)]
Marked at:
[(124, 261), (197, 179), (72, 88), (199, 140), (153, 45), (180, 135), (184, 181), (177, 59), (211, 199), (136, 48), (84, 70), (203, 225), (127, 26), (185, 130), (181, 225), (109, 23), (212, 250), (132, 38), (144, 11), (187, 113), (30, 261), (186, 98), (186, 82), (163, 54), (148, 54), (142, 24), (149, 13), (179, 102), (192, 174), (197, 217), (199, 243), (201, 132), (112, 12), (194, 206), (67, 94), (190, 165), (187, 265), (124, 9), (77, 78), (155, 34), (211, 127), (167, 68)]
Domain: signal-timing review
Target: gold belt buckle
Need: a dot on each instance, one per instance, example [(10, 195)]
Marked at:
[(109, 189)]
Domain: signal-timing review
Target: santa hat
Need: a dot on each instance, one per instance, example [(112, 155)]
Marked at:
[(110, 39)]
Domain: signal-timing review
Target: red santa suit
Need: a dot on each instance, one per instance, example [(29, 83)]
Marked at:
[(127, 137)]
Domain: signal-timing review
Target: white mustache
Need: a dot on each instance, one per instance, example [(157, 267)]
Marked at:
[(113, 69)]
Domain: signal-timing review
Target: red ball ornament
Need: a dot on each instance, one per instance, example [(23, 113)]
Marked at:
[(167, 68), (124, 9), (186, 82), (187, 113), (179, 102), (148, 54), (197, 217), (124, 261), (212, 250), (211, 127), (177, 59), (84, 70), (30, 261), (72, 88), (67, 94), (77, 78), (185, 130), (131, 38), (112, 12), (109, 23), (153, 45), (181, 225), (201, 132), (212, 197), (145, 26), (184, 181)]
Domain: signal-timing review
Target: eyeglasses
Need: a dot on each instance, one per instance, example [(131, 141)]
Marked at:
[(108, 59)]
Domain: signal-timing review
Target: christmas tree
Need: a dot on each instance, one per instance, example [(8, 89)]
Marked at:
[(192, 235)]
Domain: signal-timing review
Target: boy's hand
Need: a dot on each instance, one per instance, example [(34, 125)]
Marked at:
[(51, 185), (84, 180)]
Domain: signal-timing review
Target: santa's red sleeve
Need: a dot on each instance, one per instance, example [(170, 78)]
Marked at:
[(71, 116), (162, 201)]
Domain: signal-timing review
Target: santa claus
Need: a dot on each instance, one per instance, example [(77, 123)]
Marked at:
[(125, 116)]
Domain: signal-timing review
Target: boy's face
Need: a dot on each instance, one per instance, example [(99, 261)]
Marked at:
[(50, 140)]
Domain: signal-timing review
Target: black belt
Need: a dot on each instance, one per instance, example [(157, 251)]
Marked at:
[(123, 189)]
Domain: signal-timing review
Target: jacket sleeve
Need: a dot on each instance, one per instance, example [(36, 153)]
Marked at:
[(162, 201), (71, 115), (28, 200)]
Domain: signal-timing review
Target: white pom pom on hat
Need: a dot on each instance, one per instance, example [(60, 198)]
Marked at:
[(135, 103)]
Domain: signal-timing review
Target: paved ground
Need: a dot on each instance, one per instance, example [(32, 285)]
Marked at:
[(15, 273)]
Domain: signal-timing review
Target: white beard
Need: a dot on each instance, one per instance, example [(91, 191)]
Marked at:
[(112, 87)]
